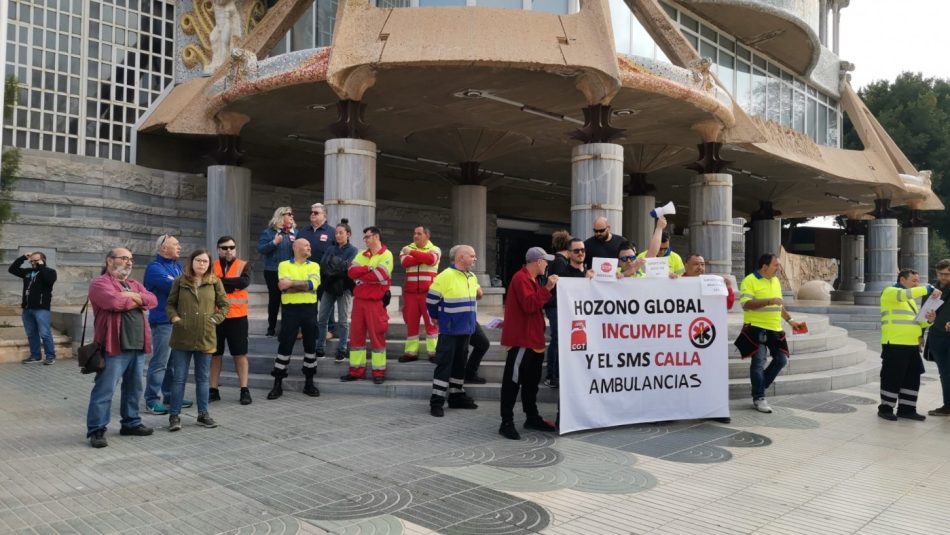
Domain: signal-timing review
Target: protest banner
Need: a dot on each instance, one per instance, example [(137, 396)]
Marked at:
[(640, 350)]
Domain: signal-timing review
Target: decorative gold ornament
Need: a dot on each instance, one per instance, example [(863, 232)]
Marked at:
[(200, 22)]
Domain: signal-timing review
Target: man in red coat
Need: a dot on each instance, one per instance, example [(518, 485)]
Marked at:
[(523, 334)]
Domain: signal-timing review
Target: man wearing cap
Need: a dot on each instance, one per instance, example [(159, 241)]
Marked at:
[(523, 335)]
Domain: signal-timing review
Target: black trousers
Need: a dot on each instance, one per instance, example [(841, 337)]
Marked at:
[(449, 376), (522, 372), (901, 368), (273, 299), (303, 319), (480, 344)]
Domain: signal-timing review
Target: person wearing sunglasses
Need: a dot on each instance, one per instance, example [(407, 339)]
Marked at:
[(235, 275), (275, 245), (603, 244)]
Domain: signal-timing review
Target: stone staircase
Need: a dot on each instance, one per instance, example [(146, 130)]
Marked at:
[(824, 359), (14, 346), (849, 317)]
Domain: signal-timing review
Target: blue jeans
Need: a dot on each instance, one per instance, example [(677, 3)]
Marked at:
[(553, 374), (126, 367), (939, 347), (325, 314), (761, 375), (181, 360), (158, 382), (36, 325)]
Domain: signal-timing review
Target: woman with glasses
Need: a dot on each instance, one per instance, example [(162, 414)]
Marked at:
[(275, 245), (197, 304)]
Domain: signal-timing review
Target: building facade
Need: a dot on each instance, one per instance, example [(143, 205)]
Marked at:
[(494, 120)]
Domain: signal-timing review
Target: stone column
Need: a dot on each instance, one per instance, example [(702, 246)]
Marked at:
[(766, 231), (637, 223), (914, 246), (851, 270), (349, 182), (596, 186), (470, 224), (228, 207), (881, 254), (837, 28), (710, 220)]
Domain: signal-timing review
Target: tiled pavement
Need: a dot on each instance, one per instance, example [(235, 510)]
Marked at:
[(822, 463)]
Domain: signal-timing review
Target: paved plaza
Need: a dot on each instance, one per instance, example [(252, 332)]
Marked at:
[(822, 463)]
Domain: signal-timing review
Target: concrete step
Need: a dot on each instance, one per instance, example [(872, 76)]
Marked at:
[(853, 352), (15, 347), (806, 383), (832, 338), (859, 325)]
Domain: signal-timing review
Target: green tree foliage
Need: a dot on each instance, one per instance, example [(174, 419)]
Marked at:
[(10, 164), (915, 111)]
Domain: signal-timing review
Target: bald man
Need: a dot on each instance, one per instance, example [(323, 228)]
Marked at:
[(604, 243)]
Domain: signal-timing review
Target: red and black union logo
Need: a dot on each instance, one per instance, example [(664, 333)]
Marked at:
[(702, 332)]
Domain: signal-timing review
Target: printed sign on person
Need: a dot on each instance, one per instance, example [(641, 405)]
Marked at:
[(640, 350)]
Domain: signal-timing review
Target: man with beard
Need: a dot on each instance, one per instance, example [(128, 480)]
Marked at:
[(119, 304), (235, 275), (938, 341), (603, 244), (38, 283)]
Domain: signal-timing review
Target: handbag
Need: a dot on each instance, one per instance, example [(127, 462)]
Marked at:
[(91, 357)]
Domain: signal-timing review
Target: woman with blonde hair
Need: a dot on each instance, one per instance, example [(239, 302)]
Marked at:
[(275, 245), (196, 305)]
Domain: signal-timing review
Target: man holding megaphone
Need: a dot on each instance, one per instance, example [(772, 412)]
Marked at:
[(675, 260)]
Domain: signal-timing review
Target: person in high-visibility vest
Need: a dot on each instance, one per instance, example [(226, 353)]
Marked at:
[(763, 311), (298, 281), (452, 302), (421, 261), (372, 272), (901, 365), (235, 275)]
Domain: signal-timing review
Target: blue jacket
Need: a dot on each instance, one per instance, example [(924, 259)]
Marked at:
[(159, 276), (320, 239), (451, 301), (275, 254), (347, 252)]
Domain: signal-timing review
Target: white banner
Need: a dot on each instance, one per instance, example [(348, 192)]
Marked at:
[(640, 350)]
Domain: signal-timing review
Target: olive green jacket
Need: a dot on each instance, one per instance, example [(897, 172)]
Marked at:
[(195, 313)]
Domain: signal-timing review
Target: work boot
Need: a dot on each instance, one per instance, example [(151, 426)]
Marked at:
[(462, 402), (911, 415), (436, 410), (475, 379), (214, 395), (277, 390), (508, 431), (942, 411), (310, 389), (245, 396), (539, 424), (408, 357), (98, 439)]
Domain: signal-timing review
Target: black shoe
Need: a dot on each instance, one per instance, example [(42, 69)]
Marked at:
[(348, 377), (942, 411), (508, 431), (911, 416), (539, 424), (436, 410), (378, 380), (140, 431), (723, 420), (887, 415), (214, 395), (270, 332), (98, 439), (475, 380), (311, 390), (321, 354), (341, 356), (205, 420), (276, 391), (174, 423), (462, 402), (245, 396), (408, 358)]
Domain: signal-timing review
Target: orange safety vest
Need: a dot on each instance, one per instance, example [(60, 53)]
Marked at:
[(238, 298)]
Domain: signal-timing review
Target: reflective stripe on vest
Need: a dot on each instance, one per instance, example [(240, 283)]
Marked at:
[(238, 298)]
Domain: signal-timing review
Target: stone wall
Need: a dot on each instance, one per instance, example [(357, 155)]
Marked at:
[(76, 208)]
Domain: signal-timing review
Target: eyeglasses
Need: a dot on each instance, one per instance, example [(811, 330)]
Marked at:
[(315, 213), (291, 214), (368, 236), (227, 247), (630, 258), (600, 230), (124, 258), (578, 250)]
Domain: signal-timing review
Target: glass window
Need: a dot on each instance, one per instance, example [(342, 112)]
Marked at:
[(786, 105), (693, 40), (441, 3), (811, 110), (743, 92), (301, 36), (689, 22), (727, 65), (669, 10), (621, 18), (798, 111), (708, 50), (773, 109), (561, 7)]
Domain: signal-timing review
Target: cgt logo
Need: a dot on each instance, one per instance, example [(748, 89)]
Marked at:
[(579, 335), (702, 333)]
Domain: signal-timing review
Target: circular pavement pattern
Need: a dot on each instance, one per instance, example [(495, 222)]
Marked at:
[(370, 504), (541, 480), (534, 458), (522, 519), (610, 481)]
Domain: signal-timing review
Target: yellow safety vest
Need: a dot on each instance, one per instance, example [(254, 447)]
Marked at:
[(897, 316), (755, 286), (308, 271), (674, 259)]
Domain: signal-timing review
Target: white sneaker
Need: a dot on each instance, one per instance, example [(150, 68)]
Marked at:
[(762, 406)]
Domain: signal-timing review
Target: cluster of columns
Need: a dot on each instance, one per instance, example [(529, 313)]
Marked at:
[(884, 239)]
